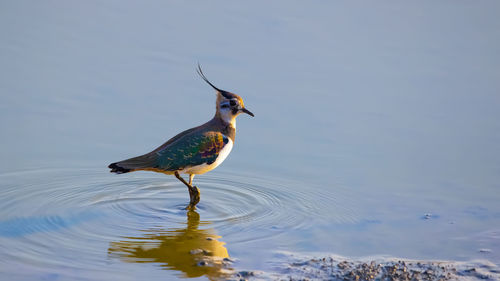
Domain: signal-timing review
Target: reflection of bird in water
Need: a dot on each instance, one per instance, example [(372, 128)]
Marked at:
[(193, 251), (195, 151)]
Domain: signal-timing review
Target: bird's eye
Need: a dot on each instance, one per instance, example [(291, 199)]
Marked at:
[(224, 105), (232, 102)]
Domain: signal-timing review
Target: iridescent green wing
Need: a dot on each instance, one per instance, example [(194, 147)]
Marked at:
[(191, 150)]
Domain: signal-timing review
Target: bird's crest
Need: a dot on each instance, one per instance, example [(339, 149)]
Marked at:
[(222, 92)]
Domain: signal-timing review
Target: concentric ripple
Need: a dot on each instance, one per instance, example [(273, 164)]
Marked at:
[(49, 216)]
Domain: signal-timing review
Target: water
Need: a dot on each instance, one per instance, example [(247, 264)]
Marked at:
[(376, 133)]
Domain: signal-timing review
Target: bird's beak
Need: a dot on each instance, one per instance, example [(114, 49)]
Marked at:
[(247, 111)]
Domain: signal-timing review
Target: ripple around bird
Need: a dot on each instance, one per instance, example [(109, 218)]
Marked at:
[(59, 212)]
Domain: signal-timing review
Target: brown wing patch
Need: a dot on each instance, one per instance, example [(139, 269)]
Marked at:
[(212, 145)]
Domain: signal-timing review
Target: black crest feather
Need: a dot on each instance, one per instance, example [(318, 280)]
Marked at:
[(200, 72)]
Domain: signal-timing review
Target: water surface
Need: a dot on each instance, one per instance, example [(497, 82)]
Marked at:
[(376, 133)]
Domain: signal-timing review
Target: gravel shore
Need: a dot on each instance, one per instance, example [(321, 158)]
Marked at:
[(330, 267)]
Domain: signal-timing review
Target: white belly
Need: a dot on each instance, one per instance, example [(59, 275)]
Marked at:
[(201, 169)]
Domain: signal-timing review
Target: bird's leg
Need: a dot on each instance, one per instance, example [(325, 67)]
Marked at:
[(194, 192)]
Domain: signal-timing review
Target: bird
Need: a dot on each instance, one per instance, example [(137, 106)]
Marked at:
[(194, 151)]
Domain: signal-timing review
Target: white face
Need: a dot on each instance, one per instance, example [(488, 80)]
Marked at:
[(229, 109)]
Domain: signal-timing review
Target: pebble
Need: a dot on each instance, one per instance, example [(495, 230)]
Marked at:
[(485, 250)]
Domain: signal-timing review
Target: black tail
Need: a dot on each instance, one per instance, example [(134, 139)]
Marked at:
[(117, 169), (134, 164)]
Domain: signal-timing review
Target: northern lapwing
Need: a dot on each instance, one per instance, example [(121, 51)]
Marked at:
[(194, 151)]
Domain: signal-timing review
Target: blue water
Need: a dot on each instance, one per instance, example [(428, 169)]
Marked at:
[(376, 132)]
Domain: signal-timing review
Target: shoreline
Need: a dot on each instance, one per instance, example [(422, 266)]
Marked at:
[(294, 266)]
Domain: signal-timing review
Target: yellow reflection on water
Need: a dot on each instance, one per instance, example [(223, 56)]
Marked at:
[(192, 251)]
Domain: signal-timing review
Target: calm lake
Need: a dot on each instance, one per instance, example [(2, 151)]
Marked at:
[(376, 132)]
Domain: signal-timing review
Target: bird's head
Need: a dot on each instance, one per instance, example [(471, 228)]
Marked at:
[(229, 105)]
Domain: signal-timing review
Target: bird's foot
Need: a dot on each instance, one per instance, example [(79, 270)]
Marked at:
[(194, 195)]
